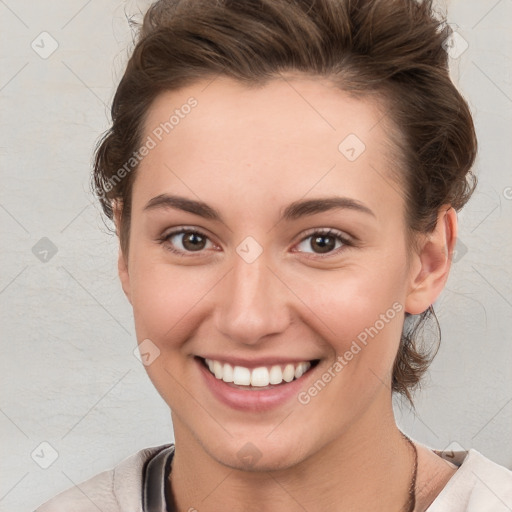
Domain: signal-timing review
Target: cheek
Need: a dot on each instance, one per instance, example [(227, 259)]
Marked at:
[(169, 303), (359, 314), (351, 301), (165, 298), (361, 325)]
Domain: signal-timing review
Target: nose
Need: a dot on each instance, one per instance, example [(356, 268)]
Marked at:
[(252, 302)]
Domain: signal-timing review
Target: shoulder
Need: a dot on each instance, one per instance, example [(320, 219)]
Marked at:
[(116, 490), (479, 485)]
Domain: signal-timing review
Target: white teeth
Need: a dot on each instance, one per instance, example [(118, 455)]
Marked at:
[(257, 377), (217, 369), (301, 369), (227, 373), (241, 376), (276, 375), (289, 373)]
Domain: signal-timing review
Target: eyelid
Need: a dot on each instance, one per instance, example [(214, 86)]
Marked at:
[(164, 240), (184, 228), (346, 240), (327, 231)]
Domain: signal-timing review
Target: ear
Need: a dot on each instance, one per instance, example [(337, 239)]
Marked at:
[(431, 263), (122, 261)]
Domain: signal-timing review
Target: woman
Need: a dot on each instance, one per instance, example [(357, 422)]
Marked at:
[(284, 178)]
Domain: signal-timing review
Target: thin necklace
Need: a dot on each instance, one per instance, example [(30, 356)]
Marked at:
[(411, 503)]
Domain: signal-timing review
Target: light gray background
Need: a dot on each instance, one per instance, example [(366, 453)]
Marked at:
[(68, 374)]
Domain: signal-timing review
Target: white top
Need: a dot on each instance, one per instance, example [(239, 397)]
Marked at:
[(478, 485)]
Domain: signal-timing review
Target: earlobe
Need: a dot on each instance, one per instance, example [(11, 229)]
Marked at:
[(124, 276), (434, 258), (122, 263)]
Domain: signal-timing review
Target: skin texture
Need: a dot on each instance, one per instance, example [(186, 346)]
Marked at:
[(248, 153)]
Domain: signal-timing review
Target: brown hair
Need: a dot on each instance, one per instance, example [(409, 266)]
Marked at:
[(392, 48)]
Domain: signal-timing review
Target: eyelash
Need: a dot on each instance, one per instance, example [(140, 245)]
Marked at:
[(326, 232)]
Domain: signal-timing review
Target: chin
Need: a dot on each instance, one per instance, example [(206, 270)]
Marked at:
[(257, 454)]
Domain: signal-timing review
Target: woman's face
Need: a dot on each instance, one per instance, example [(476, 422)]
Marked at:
[(267, 231)]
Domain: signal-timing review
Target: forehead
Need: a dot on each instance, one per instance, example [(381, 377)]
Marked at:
[(291, 109), (289, 136)]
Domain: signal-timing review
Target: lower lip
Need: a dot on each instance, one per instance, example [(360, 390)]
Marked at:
[(253, 399)]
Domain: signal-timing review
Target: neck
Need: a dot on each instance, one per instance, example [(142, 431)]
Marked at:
[(363, 469)]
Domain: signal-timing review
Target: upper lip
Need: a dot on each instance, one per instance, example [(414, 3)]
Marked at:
[(256, 362)]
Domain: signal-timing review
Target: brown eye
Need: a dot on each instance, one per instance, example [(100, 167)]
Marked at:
[(323, 243), (186, 241), (193, 241), (319, 242)]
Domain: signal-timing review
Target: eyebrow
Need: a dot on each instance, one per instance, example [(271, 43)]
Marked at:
[(293, 211)]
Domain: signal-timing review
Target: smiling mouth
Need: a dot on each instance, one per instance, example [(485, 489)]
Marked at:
[(257, 378)]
